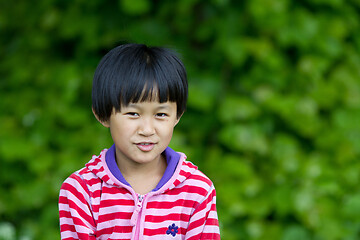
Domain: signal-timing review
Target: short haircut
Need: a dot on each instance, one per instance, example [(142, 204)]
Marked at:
[(133, 73)]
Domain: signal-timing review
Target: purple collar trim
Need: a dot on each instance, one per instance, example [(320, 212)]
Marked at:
[(112, 165), (172, 159)]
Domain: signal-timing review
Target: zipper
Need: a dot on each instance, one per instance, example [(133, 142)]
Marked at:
[(137, 214)]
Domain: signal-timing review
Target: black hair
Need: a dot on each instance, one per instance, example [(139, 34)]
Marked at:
[(133, 73)]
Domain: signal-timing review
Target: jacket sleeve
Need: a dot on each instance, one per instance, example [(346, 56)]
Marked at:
[(76, 219), (204, 221)]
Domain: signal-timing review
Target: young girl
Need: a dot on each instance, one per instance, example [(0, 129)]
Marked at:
[(139, 188)]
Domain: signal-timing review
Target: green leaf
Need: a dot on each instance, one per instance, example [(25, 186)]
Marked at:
[(235, 108), (295, 232), (135, 7), (244, 138)]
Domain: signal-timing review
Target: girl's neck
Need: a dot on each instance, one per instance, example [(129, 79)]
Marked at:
[(143, 178)]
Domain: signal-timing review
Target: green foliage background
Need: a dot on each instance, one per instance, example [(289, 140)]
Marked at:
[(273, 114)]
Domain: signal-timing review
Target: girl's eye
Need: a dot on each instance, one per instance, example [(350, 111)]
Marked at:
[(161, 115), (133, 114)]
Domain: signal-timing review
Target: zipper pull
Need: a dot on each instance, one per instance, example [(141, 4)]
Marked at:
[(137, 209), (141, 197), (139, 203)]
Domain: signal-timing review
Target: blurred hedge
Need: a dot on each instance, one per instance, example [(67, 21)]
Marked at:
[(273, 114)]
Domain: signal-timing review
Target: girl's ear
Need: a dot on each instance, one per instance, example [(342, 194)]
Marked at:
[(104, 123), (178, 120)]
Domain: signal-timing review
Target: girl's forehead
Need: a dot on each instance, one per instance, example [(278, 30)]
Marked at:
[(152, 105)]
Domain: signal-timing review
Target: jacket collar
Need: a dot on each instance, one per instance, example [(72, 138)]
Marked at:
[(177, 171)]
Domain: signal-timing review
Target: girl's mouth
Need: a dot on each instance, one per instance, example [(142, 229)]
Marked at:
[(145, 147)]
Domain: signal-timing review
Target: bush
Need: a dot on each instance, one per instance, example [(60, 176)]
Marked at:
[(273, 113)]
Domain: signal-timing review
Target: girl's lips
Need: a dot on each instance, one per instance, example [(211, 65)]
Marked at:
[(145, 147)]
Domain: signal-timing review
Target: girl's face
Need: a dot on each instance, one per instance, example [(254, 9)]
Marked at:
[(141, 131)]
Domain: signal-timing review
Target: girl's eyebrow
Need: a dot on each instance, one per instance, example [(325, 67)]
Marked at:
[(162, 106), (133, 105)]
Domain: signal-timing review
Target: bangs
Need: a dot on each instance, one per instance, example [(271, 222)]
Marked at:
[(147, 88)]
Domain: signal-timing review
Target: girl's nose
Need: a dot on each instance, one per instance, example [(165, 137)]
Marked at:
[(146, 128)]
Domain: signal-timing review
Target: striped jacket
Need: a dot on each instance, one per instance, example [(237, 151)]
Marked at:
[(93, 204)]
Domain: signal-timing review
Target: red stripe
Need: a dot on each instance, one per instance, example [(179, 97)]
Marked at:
[(86, 236), (78, 180), (213, 207), (84, 171), (197, 223), (185, 174), (201, 178), (95, 209), (176, 182), (106, 178), (93, 181), (93, 163), (97, 170), (96, 193), (189, 164), (114, 190), (117, 202), (175, 217), (64, 214), (115, 215), (67, 227), (169, 205), (213, 236), (212, 222), (187, 189)]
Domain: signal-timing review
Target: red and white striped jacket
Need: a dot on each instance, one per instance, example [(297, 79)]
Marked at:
[(93, 204)]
